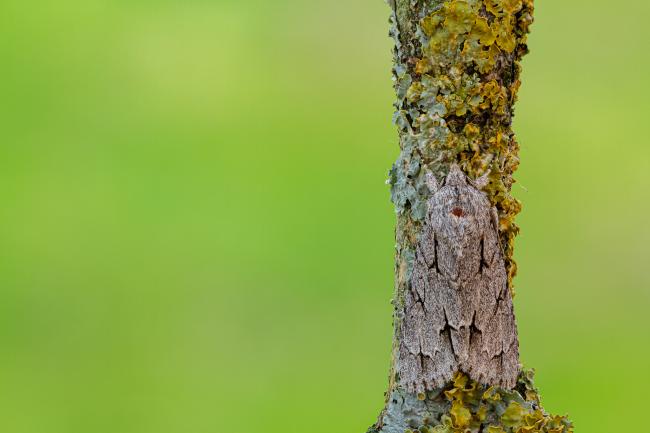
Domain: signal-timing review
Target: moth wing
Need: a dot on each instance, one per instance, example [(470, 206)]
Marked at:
[(426, 356), (494, 352)]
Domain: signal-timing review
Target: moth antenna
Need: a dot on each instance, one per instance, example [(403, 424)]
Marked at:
[(483, 181)]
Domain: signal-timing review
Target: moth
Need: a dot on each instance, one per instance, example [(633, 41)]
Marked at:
[(458, 313)]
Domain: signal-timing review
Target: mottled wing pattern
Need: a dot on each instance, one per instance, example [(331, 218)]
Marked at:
[(458, 313)]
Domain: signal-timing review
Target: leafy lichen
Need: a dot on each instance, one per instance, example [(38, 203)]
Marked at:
[(472, 407), (456, 85), (456, 77)]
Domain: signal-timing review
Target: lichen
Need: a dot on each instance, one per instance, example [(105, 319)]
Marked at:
[(456, 77), (472, 407)]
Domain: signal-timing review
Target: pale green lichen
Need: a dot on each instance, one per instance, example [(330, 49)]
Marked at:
[(466, 406), (456, 80), (472, 407), (456, 77)]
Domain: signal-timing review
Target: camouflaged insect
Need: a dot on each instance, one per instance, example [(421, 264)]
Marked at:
[(458, 312)]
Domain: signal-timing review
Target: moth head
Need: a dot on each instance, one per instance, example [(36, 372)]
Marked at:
[(460, 210), (456, 177)]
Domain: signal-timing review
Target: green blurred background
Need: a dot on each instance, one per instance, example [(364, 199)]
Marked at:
[(196, 236)]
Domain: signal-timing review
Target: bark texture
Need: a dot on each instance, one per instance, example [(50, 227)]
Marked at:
[(456, 75)]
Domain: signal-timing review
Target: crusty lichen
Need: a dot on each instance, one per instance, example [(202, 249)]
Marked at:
[(467, 406), (455, 88), (456, 77), (472, 407)]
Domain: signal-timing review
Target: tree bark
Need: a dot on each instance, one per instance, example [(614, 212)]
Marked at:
[(456, 74)]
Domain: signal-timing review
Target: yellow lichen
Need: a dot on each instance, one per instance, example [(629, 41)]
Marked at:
[(457, 89), (414, 91), (422, 66), (491, 394), (483, 32), (513, 415), (511, 6), (506, 38), (485, 59), (459, 17), (493, 97), (471, 131), (514, 89), (439, 41), (430, 24), (460, 415), (500, 8), (494, 7), (457, 77), (475, 407)]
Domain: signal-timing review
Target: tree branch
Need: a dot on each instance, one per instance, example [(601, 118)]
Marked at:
[(456, 74)]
